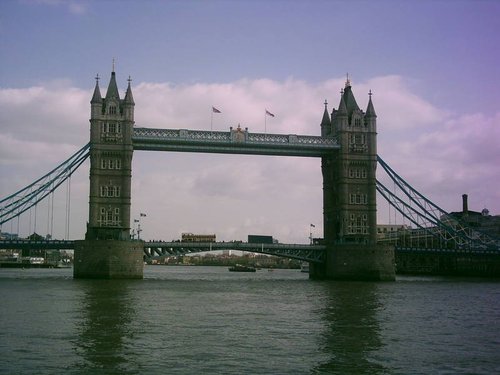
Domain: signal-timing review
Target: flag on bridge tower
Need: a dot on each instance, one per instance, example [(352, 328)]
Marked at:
[(267, 113), (214, 110)]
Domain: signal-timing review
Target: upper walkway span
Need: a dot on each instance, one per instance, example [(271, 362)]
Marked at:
[(235, 141)]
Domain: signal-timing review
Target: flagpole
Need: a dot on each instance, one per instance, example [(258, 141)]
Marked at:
[(211, 119), (265, 124)]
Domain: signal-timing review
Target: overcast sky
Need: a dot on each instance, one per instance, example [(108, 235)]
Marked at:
[(433, 68)]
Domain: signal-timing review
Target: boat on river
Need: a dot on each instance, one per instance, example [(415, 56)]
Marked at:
[(241, 268)]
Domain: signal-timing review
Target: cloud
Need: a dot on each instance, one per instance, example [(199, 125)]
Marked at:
[(74, 6), (440, 153), (457, 156)]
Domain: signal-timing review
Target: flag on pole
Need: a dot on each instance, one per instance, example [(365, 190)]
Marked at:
[(143, 215), (269, 113), (215, 110), (313, 226)]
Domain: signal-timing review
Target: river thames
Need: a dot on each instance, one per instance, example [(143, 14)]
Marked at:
[(206, 320)]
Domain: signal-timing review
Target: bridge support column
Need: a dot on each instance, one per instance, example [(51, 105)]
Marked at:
[(108, 259), (356, 262)]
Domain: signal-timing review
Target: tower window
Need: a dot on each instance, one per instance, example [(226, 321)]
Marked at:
[(110, 191), (112, 110), (358, 224), (109, 217), (112, 163), (357, 173), (358, 199)]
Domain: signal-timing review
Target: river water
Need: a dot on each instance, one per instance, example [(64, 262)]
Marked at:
[(206, 320)]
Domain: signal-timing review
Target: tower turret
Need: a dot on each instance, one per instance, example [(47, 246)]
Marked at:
[(96, 102), (112, 91), (326, 124), (128, 103), (340, 118)]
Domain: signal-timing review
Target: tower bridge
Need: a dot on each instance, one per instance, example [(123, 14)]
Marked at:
[(347, 149)]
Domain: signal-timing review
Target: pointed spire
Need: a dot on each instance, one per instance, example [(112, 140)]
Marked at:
[(112, 87), (129, 99), (342, 111), (326, 118), (350, 101), (370, 110), (96, 98)]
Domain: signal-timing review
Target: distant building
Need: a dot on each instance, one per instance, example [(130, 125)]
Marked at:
[(480, 221), (390, 230), (8, 236)]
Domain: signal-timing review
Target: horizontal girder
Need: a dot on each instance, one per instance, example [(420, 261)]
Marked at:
[(237, 141)]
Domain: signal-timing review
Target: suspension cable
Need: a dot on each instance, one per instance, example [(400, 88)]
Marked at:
[(17, 203)]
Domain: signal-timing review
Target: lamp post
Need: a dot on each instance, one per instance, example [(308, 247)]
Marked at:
[(134, 231), (139, 230), (311, 226)]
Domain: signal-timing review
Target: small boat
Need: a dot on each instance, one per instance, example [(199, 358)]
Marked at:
[(304, 267), (241, 268)]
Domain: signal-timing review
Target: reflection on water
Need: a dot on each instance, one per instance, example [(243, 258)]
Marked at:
[(352, 332), (202, 320), (104, 334)]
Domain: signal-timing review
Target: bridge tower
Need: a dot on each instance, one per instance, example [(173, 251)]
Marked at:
[(349, 196), (107, 251)]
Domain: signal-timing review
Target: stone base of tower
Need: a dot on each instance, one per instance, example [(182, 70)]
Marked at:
[(108, 259), (356, 262)]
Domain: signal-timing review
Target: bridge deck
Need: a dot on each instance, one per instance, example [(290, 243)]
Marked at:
[(237, 141), (158, 249), (37, 245)]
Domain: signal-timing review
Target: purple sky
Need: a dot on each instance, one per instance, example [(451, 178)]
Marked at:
[(432, 65)]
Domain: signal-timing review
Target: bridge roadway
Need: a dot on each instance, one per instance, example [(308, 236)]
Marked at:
[(37, 245), (161, 249), (235, 141)]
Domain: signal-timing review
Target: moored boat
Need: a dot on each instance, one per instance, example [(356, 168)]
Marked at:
[(304, 267), (241, 268)]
